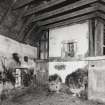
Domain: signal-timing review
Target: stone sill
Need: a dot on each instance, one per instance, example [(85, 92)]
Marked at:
[(59, 59)]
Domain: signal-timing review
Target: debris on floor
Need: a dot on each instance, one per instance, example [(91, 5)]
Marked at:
[(38, 96)]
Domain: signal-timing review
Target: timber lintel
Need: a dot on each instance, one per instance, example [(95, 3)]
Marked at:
[(72, 21), (70, 15)]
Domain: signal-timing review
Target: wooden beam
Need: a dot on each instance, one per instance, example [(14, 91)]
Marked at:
[(21, 33), (99, 31), (101, 15), (101, 7), (28, 34), (103, 1), (40, 30), (36, 33), (44, 6), (70, 15), (72, 21), (21, 3), (63, 9), (91, 37)]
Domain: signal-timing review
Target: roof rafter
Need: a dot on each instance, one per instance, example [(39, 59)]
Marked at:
[(63, 9), (71, 15), (44, 6), (71, 21), (21, 3)]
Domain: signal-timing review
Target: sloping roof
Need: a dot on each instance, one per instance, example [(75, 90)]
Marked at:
[(27, 20)]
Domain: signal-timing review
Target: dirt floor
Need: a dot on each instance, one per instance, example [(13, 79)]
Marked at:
[(41, 97)]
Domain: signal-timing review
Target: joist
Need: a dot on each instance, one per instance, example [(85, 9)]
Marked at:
[(21, 3), (62, 9), (70, 15), (44, 6), (71, 21)]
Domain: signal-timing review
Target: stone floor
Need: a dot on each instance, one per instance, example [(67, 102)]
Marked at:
[(41, 97)]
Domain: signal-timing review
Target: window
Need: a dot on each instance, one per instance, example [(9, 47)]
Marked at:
[(43, 48), (69, 49)]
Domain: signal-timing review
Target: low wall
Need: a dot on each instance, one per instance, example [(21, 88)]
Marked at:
[(9, 46)]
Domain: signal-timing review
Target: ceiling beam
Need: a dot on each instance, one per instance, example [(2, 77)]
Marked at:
[(44, 6), (102, 7), (62, 9), (21, 3), (71, 21), (70, 15), (21, 33), (36, 35), (29, 33), (103, 1), (102, 15)]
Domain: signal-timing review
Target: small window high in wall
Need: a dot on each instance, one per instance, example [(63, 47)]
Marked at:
[(68, 49)]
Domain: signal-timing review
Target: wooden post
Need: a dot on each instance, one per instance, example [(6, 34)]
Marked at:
[(91, 37), (99, 31)]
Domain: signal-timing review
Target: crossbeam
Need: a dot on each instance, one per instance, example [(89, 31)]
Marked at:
[(62, 9), (44, 6), (72, 21), (70, 15), (21, 3)]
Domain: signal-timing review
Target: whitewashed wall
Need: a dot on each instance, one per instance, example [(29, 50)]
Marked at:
[(77, 32), (9, 46), (69, 68)]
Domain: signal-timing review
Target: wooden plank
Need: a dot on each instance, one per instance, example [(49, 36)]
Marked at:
[(44, 6), (21, 3), (63, 9), (70, 15), (71, 21)]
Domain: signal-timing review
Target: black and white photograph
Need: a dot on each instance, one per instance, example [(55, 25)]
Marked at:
[(52, 52)]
